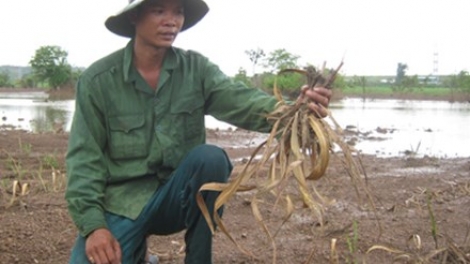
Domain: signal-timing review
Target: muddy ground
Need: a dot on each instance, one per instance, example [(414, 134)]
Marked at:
[(414, 198), (420, 205)]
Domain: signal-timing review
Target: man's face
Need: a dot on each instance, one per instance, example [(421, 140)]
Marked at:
[(158, 22)]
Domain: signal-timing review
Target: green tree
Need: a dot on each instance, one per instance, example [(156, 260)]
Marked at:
[(76, 74), (242, 77), (5, 80), (410, 82), (359, 81), (339, 82), (27, 81), (255, 56), (462, 82), (280, 59), (50, 66), (401, 73), (288, 83)]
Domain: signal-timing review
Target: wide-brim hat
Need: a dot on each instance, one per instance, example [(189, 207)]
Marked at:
[(194, 11)]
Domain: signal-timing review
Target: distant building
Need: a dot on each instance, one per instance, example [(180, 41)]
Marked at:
[(429, 80), (387, 81)]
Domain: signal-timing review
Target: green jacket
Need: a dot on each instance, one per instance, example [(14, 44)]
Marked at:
[(126, 138)]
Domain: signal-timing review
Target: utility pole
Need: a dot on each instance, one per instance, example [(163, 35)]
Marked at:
[(435, 68)]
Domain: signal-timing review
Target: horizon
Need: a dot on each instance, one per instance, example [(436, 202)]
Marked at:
[(248, 75)]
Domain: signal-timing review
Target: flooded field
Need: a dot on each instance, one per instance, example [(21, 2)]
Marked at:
[(380, 127)]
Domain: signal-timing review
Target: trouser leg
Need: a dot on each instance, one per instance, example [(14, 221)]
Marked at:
[(179, 209)]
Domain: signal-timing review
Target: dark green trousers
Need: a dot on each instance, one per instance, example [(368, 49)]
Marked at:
[(171, 209)]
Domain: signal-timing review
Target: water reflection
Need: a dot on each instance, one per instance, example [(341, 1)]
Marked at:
[(36, 115), (382, 127), (51, 119), (399, 127)]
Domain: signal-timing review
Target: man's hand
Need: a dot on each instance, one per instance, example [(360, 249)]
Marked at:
[(318, 99), (102, 248)]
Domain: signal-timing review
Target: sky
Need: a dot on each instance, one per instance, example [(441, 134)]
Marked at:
[(371, 36)]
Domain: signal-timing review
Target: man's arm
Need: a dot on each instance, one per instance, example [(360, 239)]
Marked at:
[(235, 103), (247, 108), (86, 167)]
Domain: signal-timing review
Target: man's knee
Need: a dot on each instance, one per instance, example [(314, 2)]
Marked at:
[(211, 154), (213, 159)]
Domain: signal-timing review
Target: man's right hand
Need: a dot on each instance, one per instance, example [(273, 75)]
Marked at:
[(102, 248)]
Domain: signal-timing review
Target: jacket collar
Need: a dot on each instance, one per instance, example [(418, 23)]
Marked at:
[(130, 72)]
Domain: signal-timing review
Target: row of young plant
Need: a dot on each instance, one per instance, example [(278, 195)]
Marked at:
[(20, 182)]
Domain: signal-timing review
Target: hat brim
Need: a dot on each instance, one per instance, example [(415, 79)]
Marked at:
[(194, 11)]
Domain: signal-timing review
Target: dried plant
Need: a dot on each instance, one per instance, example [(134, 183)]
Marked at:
[(297, 150)]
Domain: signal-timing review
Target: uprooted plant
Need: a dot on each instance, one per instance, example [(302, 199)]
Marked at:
[(297, 150)]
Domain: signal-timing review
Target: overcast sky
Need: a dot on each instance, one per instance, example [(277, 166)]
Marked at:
[(372, 35)]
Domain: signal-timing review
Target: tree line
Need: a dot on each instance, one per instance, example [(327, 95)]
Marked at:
[(281, 59), (51, 70), (271, 64), (48, 69)]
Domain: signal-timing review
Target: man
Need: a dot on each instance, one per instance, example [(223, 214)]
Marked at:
[(137, 154)]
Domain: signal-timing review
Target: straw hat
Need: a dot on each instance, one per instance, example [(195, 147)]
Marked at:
[(194, 10)]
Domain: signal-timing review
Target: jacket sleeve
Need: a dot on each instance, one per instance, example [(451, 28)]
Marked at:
[(234, 102), (85, 161)]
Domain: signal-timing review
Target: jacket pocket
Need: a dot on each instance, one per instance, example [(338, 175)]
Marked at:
[(128, 137), (188, 118)]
